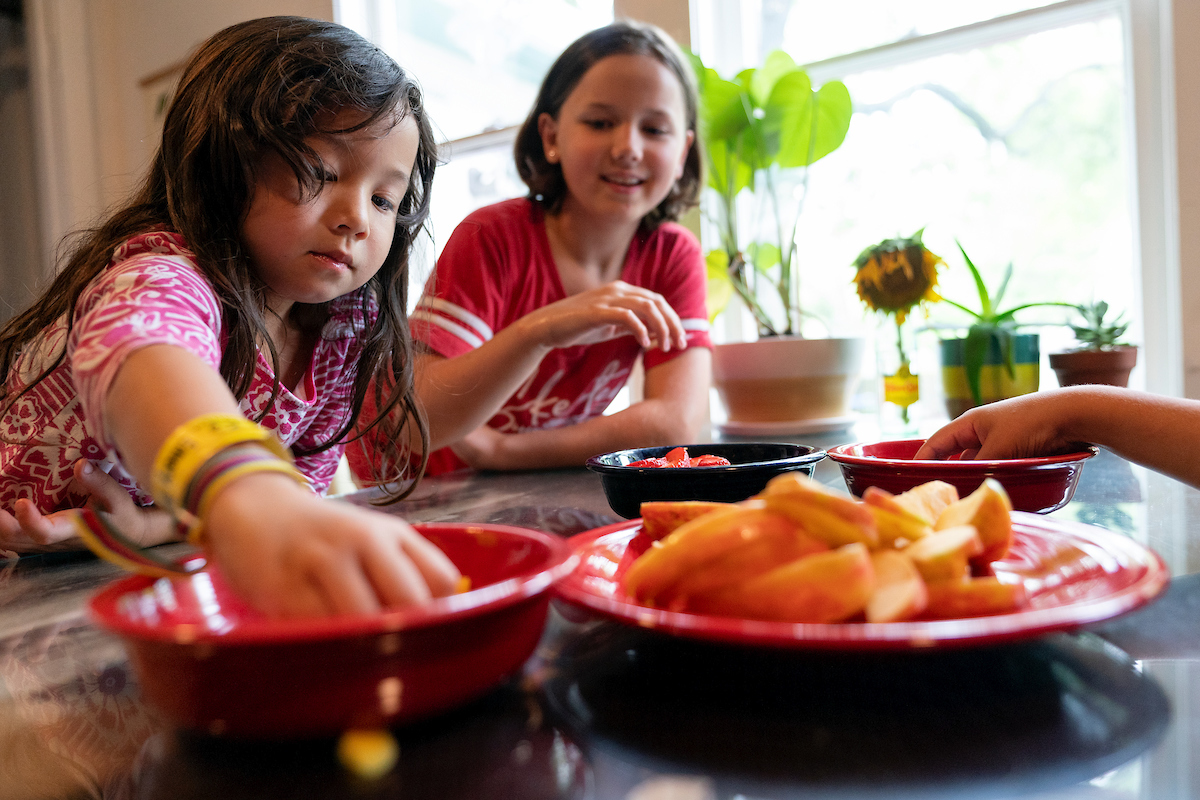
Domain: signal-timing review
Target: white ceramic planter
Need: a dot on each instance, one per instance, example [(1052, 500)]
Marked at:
[(787, 378)]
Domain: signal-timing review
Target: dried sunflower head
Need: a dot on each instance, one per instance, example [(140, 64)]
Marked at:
[(897, 274)]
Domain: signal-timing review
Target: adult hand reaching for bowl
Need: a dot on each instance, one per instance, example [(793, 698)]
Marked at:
[(1162, 433)]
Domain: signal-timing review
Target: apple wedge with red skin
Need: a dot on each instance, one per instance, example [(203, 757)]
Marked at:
[(776, 540), (975, 597), (694, 545), (928, 499), (946, 554), (662, 517), (900, 592), (893, 520), (989, 510), (825, 587), (834, 518)]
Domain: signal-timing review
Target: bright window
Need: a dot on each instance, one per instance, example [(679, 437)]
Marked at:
[(479, 62), (1011, 138)]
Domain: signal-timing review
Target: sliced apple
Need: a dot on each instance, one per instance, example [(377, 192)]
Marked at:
[(892, 520), (691, 546), (661, 517), (975, 597), (777, 540), (825, 587), (928, 499), (946, 554), (834, 518), (989, 510), (900, 592)]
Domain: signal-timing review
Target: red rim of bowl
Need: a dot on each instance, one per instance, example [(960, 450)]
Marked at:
[(841, 454), (261, 630)]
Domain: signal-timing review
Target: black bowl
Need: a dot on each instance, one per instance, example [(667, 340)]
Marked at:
[(752, 464)]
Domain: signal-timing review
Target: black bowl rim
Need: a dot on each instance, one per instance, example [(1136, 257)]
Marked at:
[(813, 454)]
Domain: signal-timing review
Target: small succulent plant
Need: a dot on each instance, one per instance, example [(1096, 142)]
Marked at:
[(1095, 333)]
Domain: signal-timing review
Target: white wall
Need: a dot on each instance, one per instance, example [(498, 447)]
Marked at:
[(89, 59)]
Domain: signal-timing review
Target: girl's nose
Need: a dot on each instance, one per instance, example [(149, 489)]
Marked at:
[(627, 144), (349, 214)]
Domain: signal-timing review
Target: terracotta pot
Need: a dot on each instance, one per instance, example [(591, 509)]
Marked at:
[(1110, 366), (787, 378), (994, 381)]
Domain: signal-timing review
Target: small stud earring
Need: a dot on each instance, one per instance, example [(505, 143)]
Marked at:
[(551, 154)]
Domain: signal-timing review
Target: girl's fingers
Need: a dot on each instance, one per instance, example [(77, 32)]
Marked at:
[(106, 493), (435, 567), (954, 438), (40, 529), (11, 535), (343, 585), (396, 580)]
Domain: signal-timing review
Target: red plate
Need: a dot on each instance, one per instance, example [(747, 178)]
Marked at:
[(1074, 575)]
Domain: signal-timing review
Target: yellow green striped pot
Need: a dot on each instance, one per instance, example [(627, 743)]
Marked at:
[(994, 381)]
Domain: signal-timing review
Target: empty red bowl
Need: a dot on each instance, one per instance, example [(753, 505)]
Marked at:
[(209, 662), (1039, 485)]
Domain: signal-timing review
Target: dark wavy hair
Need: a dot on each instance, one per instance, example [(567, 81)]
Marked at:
[(258, 87), (545, 180)]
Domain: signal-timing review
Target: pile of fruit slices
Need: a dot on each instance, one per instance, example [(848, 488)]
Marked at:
[(678, 457), (800, 552)]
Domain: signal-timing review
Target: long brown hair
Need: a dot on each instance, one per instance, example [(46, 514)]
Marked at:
[(259, 86)]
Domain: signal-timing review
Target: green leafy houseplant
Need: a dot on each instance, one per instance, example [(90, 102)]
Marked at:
[(1095, 333), (990, 324), (756, 129)]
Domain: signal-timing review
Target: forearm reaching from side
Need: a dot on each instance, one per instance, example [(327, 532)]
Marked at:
[(462, 393), (1162, 433), (674, 411), (283, 548)]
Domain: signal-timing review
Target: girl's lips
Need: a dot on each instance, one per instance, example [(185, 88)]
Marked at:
[(624, 185), (337, 260)]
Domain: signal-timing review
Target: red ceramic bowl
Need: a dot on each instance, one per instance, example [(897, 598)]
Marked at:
[(1040, 485), (209, 662)]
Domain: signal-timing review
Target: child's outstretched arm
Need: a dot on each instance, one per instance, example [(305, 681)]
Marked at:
[(1162, 433), (460, 394), (286, 550), (674, 411)]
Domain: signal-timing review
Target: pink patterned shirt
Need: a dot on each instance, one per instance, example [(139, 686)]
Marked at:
[(153, 293)]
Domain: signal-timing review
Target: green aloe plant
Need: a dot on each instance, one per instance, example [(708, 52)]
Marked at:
[(1095, 333), (756, 128), (990, 324)]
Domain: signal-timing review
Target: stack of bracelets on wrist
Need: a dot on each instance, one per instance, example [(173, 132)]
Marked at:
[(203, 456), (199, 459)]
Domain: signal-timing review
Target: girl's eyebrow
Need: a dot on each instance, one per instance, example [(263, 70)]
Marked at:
[(595, 106), (399, 173)]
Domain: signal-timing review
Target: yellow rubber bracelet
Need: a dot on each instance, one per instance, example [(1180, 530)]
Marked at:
[(195, 523), (192, 444)]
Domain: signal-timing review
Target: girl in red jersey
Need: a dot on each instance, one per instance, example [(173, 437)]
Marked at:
[(540, 306)]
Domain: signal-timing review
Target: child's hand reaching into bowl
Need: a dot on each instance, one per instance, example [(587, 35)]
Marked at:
[(1032, 425), (314, 557)]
